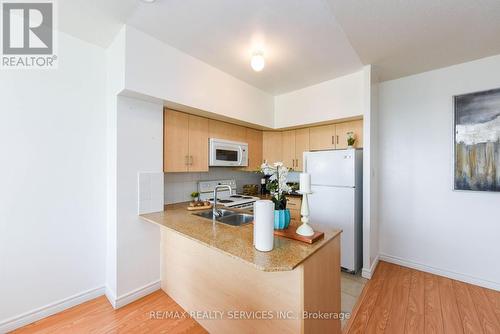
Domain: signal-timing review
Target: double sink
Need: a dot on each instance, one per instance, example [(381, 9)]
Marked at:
[(229, 217)]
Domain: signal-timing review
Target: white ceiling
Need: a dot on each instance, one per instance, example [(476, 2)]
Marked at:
[(304, 41), (95, 21), (413, 36)]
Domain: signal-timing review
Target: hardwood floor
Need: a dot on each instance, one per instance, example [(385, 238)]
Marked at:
[(395, 300), (97, 316), (403, 300)]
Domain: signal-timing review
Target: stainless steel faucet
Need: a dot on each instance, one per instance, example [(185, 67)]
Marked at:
[(216, 212)]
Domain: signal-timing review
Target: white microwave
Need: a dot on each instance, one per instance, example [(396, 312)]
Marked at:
[(227, 153)]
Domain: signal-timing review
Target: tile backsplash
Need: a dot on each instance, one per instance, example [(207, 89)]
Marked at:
[(293, 177), (179, 186)]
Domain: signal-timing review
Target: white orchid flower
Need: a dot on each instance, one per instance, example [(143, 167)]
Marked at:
[(278, 174)]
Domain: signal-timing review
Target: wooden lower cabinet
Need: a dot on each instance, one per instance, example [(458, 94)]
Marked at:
[(295, 217), (293, 204), (200, 278)]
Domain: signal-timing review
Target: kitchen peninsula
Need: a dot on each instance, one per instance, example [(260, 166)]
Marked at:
[(214, 268)]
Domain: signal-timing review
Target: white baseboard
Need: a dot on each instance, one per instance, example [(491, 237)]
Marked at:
[(48, 310), (129, 297), (441, 272), (368, 273), (111, 297), (63, 304)]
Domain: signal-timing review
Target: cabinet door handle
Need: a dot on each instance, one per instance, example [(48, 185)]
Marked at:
[(337, 139), (333, 140), (186, 160)]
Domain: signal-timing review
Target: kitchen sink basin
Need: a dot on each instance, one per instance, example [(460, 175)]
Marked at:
[(209, 214), (229, 217), (236, 219)]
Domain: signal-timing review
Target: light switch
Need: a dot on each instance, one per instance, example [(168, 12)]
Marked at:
[(150, 192)]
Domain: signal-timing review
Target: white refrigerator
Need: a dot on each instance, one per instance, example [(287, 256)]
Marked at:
[(337, 199)]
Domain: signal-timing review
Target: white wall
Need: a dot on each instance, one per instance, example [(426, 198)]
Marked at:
[(53, 194), (156, 69), (424, 223), (115, 81), (139, 148), (334, 99), (370, 172)]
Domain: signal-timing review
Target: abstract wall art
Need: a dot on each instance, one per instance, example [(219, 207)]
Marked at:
[(477, 141)]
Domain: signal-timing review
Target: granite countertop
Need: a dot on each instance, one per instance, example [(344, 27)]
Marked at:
[(236, 241)]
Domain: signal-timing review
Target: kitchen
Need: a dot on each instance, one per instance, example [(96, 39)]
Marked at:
[(218, 164), (113, 155)]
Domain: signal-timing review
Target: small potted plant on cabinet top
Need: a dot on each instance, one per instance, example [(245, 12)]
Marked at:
[(351, 140)]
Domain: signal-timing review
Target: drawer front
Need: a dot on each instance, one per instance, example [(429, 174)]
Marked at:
[(294, 203), (295, 216)]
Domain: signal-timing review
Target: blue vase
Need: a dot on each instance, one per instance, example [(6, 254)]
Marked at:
[(281, 219)]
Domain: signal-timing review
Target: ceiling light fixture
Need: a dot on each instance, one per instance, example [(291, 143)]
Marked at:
[(258, 62), (148, 1)]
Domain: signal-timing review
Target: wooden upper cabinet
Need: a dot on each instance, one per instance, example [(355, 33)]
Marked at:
[(322, 137), (185, 142), (175, 151), (227, 131), (302, 144), (254, 140), (341, 131), (288, 148), (186, 137), (295, 143), (334, 136), (272, 146), (198, 144)]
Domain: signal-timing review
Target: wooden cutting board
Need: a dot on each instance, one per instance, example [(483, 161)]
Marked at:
[(195, 208), (291, 234)]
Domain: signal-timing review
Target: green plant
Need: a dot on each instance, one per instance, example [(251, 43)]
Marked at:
[(350, 139), (195, 195), (277, 183)]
